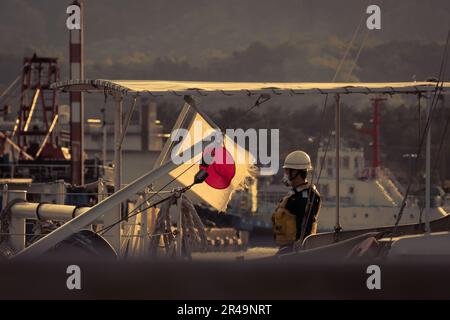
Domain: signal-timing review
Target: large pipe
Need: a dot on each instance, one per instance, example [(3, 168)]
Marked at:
[(47, 211), (104, 207)]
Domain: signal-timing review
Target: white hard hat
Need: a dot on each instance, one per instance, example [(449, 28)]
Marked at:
[(297, 160)]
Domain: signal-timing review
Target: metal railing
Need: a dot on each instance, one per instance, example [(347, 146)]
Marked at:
[(52, 172)]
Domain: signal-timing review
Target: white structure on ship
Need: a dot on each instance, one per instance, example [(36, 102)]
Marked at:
[(369, 197)]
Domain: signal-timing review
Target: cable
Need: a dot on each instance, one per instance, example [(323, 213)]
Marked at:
[(161, 189), (443, 135), (437, 92), (133, 212), (106, 229), (355, 33), (310, 202), (11, 96), (261, 99), (408, 189), (363, 43), (12, 83)]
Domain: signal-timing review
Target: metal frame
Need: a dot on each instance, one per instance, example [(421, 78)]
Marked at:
[(37, 76)]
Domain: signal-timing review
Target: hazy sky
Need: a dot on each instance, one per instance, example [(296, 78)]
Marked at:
[(230, 40), (226, 40)]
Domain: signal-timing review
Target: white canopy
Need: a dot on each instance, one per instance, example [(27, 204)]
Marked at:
[(162, 87)]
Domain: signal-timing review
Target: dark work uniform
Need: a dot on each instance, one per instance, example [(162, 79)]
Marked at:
[(296, 204)]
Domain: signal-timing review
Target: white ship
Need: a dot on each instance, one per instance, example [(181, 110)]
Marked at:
[(369, 197)]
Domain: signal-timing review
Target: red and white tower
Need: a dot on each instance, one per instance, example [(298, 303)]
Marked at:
[(76, 100), (374, 133)]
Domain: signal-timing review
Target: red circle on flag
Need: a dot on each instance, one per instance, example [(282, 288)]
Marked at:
[(222, 169)]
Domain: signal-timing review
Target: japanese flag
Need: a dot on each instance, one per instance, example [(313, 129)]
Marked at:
[(229, 165)]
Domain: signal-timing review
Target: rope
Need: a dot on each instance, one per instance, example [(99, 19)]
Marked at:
[(194, 234), (196, 226), (161, 189), (163, 227), (106, 229), (133, 212)]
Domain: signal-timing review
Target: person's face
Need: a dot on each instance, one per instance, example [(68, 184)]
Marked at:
[(289, 173), (292, 177)]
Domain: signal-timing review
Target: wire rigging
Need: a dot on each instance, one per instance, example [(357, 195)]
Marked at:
[(309, 205), (139, 207), (437, 91), (15, 81)]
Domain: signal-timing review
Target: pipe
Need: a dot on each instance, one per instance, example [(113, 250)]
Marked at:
[(47, 211)]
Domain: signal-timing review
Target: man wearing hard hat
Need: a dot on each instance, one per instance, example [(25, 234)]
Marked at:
[(296, 215)]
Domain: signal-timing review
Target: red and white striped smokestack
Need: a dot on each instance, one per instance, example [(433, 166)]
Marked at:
[(76, 61)]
